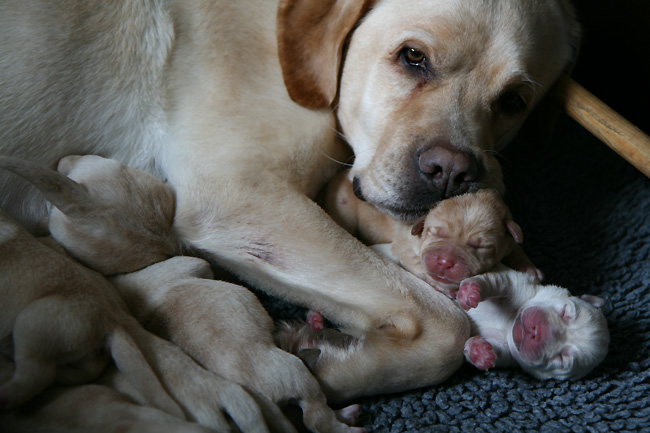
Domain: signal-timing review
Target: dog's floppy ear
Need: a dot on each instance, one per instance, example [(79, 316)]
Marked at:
[(311, 35)]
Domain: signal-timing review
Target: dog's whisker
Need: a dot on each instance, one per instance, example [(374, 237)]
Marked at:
[(345, 164)]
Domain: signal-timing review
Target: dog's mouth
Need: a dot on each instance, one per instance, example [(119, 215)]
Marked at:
[(405, 214)]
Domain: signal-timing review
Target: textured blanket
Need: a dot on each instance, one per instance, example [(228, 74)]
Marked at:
[(585, 213)]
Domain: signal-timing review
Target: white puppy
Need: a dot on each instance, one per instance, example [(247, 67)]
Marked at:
[(542, 328)]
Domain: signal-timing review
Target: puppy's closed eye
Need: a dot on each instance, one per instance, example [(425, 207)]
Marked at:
[(567, 312)]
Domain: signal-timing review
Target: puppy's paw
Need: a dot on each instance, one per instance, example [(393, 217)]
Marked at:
[(480, 353), (315, 320), (469, 294)]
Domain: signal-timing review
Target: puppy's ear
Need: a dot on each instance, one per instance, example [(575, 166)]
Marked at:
[(418, 228), (515, 231), (310, 36), (595, 301)]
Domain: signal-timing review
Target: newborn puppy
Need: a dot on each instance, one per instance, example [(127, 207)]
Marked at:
[(460, 237), (93, 408), (62, 323), (118, 220), (542, 328), (226, 329)]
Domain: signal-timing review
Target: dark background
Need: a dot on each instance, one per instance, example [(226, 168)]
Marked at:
[(614, 60)]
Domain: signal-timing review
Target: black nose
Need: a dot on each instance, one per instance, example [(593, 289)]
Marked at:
[(448, 169)]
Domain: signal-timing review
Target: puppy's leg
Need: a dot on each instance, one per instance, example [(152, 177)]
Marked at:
[(497, 283)]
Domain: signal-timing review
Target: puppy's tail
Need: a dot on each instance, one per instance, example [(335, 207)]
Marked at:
[(131, 362), (64, 193)]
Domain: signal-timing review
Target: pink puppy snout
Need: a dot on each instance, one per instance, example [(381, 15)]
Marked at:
[(531, 332), (445, 266)]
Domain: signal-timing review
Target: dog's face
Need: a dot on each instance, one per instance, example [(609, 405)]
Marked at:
[(464, 236), (559, 336), (431, 89)]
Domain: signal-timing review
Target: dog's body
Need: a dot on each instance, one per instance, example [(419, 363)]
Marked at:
[(202, 94), (542, 328)]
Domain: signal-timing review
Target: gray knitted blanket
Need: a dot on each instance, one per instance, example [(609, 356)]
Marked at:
[(585, 213)]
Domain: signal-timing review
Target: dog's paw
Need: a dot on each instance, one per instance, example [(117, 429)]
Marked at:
[(469, 294), (480, 353)]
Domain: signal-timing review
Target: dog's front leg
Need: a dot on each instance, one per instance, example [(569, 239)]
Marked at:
[(279, 240)]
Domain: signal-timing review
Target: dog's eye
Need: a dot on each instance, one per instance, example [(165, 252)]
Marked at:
[(511, 103), (413, 57)]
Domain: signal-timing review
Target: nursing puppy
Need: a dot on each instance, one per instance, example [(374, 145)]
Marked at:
[(97, 408), (119, 220), (541, 328), (64, 322), (230, 101)]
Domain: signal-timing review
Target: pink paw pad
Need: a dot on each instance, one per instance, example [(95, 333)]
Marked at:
[(469, 294), (480, 353), (315, 320)]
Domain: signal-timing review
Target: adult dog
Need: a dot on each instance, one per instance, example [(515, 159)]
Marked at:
[(231, 102)]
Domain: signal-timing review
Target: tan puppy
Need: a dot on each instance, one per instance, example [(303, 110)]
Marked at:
[(117, 219), (85, 408), (226, 329), (63, 320), (460, 237), (202, 94), (65, 323), (542, 328)]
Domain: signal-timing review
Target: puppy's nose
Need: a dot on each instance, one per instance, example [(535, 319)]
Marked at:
[(448, 169)]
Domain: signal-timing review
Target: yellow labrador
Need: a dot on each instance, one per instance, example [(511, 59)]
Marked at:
[(231, 102)]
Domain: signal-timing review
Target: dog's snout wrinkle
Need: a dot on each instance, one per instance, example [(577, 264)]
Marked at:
[(448, 169)]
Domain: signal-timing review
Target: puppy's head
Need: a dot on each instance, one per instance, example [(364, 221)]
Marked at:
[(429, 89), (559, 336), (464, 236), (122, 224)]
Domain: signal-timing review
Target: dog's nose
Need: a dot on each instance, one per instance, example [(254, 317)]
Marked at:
[(449, 170)]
